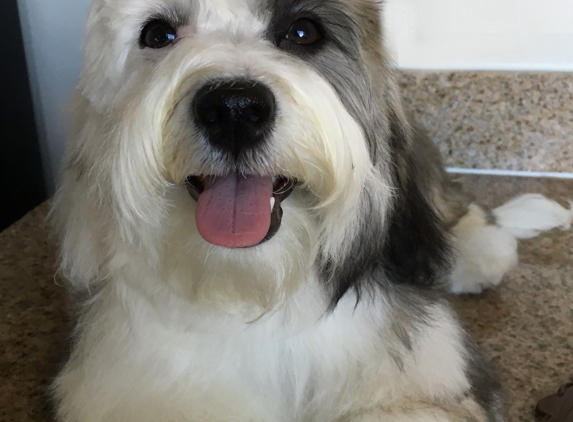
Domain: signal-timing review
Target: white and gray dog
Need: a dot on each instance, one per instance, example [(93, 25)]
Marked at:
[(256, 233)]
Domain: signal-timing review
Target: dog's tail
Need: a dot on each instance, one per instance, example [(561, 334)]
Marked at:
[(529, 215)]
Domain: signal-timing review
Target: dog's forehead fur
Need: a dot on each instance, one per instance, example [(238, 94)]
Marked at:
[(236, 15), (352, 26)]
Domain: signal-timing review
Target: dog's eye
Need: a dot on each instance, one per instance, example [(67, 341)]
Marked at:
[(157, 34), (304, 32)]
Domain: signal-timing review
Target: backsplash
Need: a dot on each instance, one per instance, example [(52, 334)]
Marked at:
[(515, 121)]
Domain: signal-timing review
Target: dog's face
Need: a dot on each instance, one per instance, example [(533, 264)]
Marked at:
[(231, 139)]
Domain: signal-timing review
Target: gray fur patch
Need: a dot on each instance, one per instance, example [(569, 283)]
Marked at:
[(485, 387), (341, 58), (449, 198)]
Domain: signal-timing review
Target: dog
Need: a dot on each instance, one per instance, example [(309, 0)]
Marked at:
[(255, 232)]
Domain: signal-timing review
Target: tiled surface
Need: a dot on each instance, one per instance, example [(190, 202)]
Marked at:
[(495, 120), (525, 326)]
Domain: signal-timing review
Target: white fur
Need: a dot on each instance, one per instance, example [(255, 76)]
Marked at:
[(529, 215), (156, 358), (484, 252)]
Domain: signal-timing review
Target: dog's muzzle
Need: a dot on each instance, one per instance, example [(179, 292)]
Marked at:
[(236, 210)]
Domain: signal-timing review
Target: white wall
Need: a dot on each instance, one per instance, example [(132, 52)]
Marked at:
[(423, 34), (53, 37), (481, 34)]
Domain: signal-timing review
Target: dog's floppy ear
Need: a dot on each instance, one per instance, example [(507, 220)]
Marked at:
[(410, 246), (415, 250)]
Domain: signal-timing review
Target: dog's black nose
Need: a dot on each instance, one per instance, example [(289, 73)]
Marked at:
[(235, 115)]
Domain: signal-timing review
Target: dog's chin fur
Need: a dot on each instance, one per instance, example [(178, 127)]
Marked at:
[(335, 317)]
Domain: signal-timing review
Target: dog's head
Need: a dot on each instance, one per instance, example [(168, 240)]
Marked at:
[(231, 145)]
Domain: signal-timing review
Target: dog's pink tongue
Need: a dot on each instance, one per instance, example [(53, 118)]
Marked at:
[(234, 211)]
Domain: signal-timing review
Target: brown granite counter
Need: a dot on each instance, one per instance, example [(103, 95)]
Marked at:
[(33, 319), (519, 121), (525, 326)]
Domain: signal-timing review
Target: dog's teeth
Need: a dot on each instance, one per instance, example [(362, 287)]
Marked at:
[(273, 200), (274, 179)]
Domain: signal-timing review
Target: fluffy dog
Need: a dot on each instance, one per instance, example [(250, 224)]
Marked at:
[(255, 231)]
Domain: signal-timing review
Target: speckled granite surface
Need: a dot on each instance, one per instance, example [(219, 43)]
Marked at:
[(33, 319), (525, 326), (495, 120)]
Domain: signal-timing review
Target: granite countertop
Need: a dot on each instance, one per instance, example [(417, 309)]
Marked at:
[(525, 326), (495, 120)]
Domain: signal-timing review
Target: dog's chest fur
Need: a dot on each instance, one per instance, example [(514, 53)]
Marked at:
[(298, 364)]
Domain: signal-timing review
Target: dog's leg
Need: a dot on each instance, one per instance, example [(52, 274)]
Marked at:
[(485, 242), (483, 252)]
